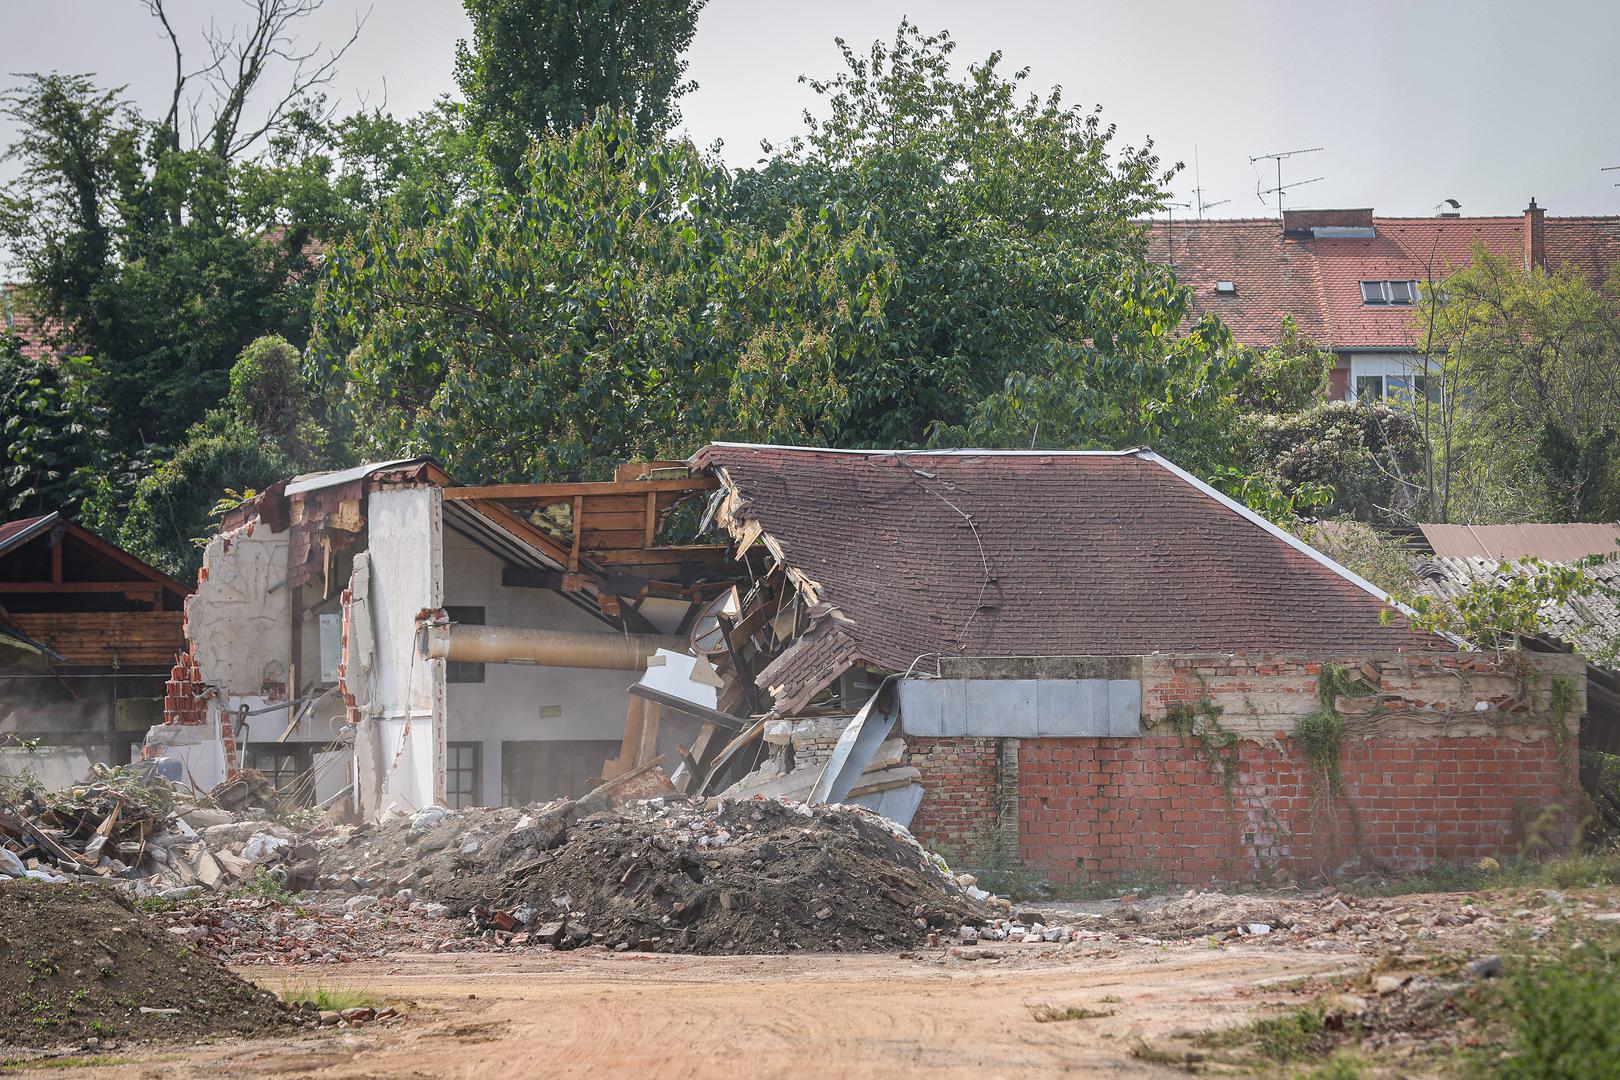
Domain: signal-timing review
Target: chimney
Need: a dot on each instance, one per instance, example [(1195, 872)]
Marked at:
[(1535, 236)]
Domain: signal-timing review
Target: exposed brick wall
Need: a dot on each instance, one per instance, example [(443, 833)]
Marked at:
[(958, 812), (1109, 808), (1428, 776)]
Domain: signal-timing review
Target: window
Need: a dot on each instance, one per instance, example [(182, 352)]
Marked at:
[(1397, 377), (282, 765), (1382, 293), (1226, 288), (464, 671), (461, 774)]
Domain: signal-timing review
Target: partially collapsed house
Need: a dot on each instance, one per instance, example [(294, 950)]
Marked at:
[(1090, 661), (87, 635)]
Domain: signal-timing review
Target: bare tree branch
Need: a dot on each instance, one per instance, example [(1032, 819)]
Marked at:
[(239, 63)]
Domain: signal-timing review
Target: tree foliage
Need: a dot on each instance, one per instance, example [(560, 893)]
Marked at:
[(1009, 219), (1368, 453), (609, 308), (1287, 377), (1534, 359), (536, 68), (52, 431)]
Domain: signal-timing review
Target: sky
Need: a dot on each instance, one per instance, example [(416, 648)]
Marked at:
[(1488, 102)]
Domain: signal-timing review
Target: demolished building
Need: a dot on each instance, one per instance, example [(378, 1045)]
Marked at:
[(1089, 661), (87, 635)]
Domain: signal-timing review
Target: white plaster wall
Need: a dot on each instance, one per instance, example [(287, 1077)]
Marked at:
[(405, 530), (525, 701), (239, 616)]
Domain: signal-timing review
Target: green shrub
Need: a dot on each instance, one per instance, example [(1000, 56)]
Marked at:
[(1565, 1018)]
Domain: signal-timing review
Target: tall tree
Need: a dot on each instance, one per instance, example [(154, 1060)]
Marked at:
[(1528, 366), (52, 431), (162, 255), (610, 308), (538, 67), (1009, 217)]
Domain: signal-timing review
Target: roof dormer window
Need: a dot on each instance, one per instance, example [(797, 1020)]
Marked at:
[(1382, 293)]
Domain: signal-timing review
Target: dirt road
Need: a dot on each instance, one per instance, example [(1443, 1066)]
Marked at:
[(597, 1014)]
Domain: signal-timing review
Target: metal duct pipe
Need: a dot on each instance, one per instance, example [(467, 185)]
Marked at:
[(551, 648)]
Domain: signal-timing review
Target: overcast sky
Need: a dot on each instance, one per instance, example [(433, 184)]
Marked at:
[(1485, 101)]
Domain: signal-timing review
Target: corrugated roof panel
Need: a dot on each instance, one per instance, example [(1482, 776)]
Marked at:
[(1550, 543)]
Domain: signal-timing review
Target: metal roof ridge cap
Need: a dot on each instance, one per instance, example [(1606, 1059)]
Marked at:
[(942, 452), (22, 536)]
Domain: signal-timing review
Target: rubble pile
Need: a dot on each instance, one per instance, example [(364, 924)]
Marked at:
[(79, 964), (125, 825), (755, 876)]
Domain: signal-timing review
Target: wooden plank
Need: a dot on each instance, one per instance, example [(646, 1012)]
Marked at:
[(616, 520), (673, 555), (560, 492), (652, 519), (614, 504), (573, 552), (56, 562), (132, 588), (612, 539), (649, 733)]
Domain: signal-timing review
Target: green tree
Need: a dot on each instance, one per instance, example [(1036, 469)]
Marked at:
[(608, 309), (1369, 454), (1530, 360), (52, 429), (542, 67), (1287, 377), (261, 433), (170, 509), (1009, 218)]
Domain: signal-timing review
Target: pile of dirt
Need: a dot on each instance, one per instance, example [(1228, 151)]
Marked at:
[(756, 876), (79, 962)]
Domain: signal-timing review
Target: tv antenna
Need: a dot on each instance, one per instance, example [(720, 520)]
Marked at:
[(1198, 188), (1170, 230), (1282, 188)]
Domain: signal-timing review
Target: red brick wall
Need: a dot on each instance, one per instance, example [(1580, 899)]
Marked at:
[(1434, 784), (958, 812), (1106, 808)]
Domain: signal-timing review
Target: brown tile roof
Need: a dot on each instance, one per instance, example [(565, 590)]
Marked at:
[(38, 335), (1275, 276), (986, 553), (1318, 280)]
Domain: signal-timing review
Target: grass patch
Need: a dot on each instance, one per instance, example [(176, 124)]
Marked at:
[(266, 887), (332, 998), (1580, 869), (91, 1062), (1287, 1038), (1052, 1014), (1564, 1017)]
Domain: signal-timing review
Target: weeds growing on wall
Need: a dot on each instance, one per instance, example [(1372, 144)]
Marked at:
[(1320, 735), (1202, 721)]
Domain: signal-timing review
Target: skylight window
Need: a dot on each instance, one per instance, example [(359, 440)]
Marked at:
[(1383, 293), (1226, 288)]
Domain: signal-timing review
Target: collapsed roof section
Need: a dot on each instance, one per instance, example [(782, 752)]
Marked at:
[(603, 544), (897, 558)]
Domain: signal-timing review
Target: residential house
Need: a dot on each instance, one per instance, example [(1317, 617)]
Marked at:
[(1350, 280)]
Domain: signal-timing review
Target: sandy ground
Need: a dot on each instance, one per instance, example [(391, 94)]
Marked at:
[(597, 1014)]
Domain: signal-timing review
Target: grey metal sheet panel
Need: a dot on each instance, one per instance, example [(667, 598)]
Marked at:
[(1021, 708)]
